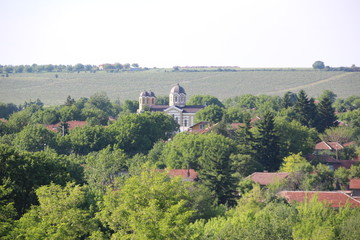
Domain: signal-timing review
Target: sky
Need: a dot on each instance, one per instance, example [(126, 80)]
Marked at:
[(167, 33)]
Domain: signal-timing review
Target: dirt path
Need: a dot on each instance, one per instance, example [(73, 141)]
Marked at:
[(312, 84)]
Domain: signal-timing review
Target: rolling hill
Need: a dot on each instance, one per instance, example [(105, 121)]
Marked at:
[(21, 87)]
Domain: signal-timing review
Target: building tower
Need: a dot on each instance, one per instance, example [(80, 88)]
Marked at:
[(177, 96), (146, 99)]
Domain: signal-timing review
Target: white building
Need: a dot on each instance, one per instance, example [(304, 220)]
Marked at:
[(182, 113)]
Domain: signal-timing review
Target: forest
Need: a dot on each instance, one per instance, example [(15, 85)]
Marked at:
[(108, 179)]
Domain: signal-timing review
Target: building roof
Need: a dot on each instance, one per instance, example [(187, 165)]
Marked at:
[(158, 108), (323, 157), (72, 125), (333, 199), (354, 183), (192, 108), (147, 94), (328, 146), (199, 123), (349, 144), (265, 178), (177, 89)]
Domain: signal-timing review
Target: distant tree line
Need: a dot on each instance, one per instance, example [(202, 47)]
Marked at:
[(320, 65), (35, 68)]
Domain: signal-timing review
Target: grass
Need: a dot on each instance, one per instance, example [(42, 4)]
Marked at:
[(21, 87)]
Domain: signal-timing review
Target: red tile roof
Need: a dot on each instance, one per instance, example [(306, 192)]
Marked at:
[(335, 145), (265, 178), (187, 174), (72, 125), (349, 144), (333, 199), (328, 146), (322, 146), (354, 183)]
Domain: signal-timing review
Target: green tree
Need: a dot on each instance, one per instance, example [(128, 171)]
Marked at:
[(304, 110), (6, 109), (35, 138), (205, 100), (102, 167), (328, 94), (341, 177), (184, 151), (100, 101), (7, 211), (26, 171), (137, 133), (326, 115), (318, 65), (148, 206), (267, 144), (294, 163), (289, 99), (216, 168), (314, 221), (212, 113), (88, 139), (294, 137), (61, 214), (130, 106), (79, 67)]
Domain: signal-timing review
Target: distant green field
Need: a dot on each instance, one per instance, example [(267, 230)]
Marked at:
[(21, 87)]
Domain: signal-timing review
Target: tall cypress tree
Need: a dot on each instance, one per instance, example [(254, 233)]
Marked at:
[(216, 168), (305, 110), (326, 115), (267, 144)]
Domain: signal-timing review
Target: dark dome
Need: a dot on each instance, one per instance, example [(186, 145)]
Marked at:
[(144, 94), (147, 94), (177, 89)]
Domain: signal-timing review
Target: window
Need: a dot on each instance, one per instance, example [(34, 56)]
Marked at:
[(177, 119), (185, 123), (176, 98)]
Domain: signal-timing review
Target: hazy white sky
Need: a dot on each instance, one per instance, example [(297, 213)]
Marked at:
[(165, 33)]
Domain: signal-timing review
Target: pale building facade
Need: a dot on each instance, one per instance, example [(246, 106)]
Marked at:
[(183, 114)]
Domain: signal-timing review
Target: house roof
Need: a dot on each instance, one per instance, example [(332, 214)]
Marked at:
[(158, 108), (72, 125), (322, 146), (354, 183), (265, 178), (191, 108), (328, 146), (323, 158), (349, 144), (333, 199), (199, 123)]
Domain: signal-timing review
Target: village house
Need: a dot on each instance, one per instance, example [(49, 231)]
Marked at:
[(183, 114), (354, 186), (266, 178), (335, 199)]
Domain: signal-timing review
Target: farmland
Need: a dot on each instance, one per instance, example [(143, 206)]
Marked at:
[(53, 90)]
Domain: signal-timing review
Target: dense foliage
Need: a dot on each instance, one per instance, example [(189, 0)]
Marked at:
[(108, 179)]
